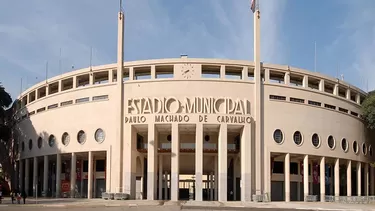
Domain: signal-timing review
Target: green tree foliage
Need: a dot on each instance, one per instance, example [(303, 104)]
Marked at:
[(368, 110)]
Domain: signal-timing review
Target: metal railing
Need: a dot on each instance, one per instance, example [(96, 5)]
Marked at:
[(351, 199)]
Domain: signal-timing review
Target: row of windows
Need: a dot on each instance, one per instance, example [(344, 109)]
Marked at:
[(24, 114), (314, 103), (65, 139), (278, 137)]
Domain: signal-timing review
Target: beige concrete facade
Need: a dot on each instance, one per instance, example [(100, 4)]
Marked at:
[(210, 129)]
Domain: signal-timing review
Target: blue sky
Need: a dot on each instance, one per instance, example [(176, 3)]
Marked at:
[(33, 32)]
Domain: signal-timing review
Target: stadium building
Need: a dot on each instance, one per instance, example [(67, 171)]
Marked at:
[(201, 129)]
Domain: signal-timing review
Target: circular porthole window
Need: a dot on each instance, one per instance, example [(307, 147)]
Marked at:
[(344, 144), (81, 137), (297, 138), (364, 148), (278, 136), (51, 140), (355, 147), (331, 142), (65, 139), (23, 146), (370, 150), (30, 144), (315, 140), (40, 142), (99, 135)]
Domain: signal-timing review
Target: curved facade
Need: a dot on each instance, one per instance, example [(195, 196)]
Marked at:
[(204, 128)]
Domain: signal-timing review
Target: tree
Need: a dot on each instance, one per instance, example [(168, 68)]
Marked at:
[(368, 110)]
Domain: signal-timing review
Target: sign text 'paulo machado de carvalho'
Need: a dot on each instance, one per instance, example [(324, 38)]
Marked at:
[(171, 109)]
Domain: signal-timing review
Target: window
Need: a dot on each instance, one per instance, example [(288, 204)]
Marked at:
[(99, 135), (30, 144), (82, 100), (278, 136), (297, 100), (354, 113), (315, 140), (100, 165), (65, 139), (294, 168), (330, 106), (209, 71), (51, 140), (53, 106), (343, 110), (364, 148), (81, 137), (278, 167), (315, 103), (297, 138), (344, 145), (276, 97), (331, 142), (69, 102), (355, 147), (40, 142), (164, 71), (100, 97), (41, 110)]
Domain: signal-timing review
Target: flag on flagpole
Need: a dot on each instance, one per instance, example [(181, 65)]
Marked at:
[(253, 5)]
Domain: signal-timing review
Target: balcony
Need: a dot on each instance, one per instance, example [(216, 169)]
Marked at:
[(189, 147)]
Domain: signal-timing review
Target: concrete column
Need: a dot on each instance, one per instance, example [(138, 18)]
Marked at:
[(322, 179), (245, 73), (175, 163), (305, 81), (223, 162), (165, 185), (129, 162), (160, 177), (35, 176), (305, 176), (366, 179), (73, 175), (337, 177), (152, 152), (27, 175), (211, 186), (91, 78), (358, 98), (45, 175), (199, 162), (58, 175), (222, 71), (287, 177), (74, 82), (372, 183), (60, 86), (321, 85), (110, 76), (348, 93), (266, 75), (349, 178), (246, 163), (108, 170), (90, 175), (359, 178), (287, 78), (336, 90)]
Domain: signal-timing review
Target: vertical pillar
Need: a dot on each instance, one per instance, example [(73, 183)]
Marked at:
[(305, 176), (337, 177), (349, 178), (266, 75), (27, 175), (348, 93), (287, 78), (152, 148), (35, 175), (287, 177), (223, 162), (305, 81), (246, 163), (73, 175), (90, 175), (222, 71), (58, 175), (175, 163), (366, 179), (161, 179), (372, 183), (245, 73), (336, 90), (322, 179), (45, 175), (358, 98), (199, 162), (359, 178), (108, 170), (153, 72), (321, 85)]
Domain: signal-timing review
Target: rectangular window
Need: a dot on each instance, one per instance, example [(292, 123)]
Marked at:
[(85, 166), (164, 71), (32, 113), (210, 71), (315, 103), (100, 97), (343, 110), (330, 106), (100, 165), (233, 72), (142, 73), (276, 97), (297, 100), (354, 113), (294, 168), (278, 167), (82, 100), (41, 110), (53, 106), (69, 102)]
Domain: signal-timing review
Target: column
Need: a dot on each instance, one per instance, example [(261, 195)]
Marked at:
[(58, 175), (287, 177), (222, 71), (91, 78), (359, 178), (287, 78), (152, 152), (322, 179), (175, 163), (198, 162), (129, 162), (366, 180), (245, 73), (321, 85), (153, 72), (161, 178), (45, 175), (358, 98), (266, 75), (372, 183), (35, 175), (90, 175), (246, 163), (223, 160), (348, 93), (305, 177), (110, 76), (73, 175), (337, 177), (305, 81), (108, 170), (349, 178), (336, 90)]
